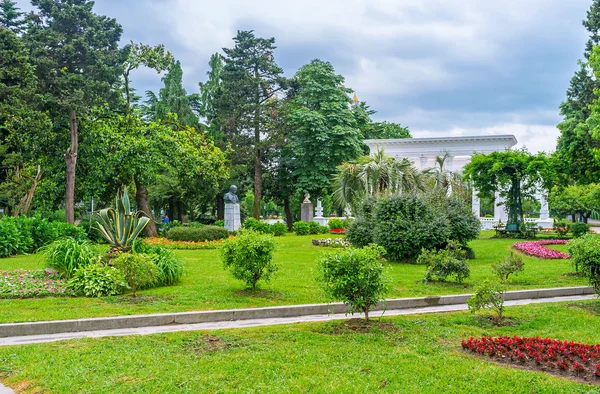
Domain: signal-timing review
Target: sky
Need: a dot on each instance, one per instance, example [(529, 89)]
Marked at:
[(439, 67)]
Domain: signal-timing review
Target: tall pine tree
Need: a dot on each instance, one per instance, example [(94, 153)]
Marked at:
[(10, 16), (575, 148)]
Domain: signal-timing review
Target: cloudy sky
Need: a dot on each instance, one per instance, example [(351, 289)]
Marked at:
[(440, 67)]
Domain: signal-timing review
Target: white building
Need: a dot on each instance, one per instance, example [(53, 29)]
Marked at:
[(423, 151)]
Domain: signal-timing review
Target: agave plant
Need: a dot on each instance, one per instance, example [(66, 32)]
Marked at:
[(120, 227)]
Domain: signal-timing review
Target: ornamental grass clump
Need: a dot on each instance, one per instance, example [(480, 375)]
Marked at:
[(68, 254), (356, 277), (249, 257)]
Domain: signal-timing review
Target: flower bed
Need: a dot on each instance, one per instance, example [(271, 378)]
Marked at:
[(331, 243), (29, 284), (167, 243), (576, 360), (537, 249), (337, 231)]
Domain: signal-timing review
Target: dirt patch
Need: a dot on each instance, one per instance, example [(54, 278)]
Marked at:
[(593, 308), (572, 274), (211, 343), (585, 376), (140, 299), (494, 321), (364, 327)]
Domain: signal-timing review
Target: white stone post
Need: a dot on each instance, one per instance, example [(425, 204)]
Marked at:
[(500, 208), (476, 203)]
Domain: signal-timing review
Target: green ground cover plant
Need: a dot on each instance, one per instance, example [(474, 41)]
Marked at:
[(403, 354), (205, 285)]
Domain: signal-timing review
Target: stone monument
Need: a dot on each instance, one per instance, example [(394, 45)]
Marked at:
[(232, 210), (319, 214), (306, 211)]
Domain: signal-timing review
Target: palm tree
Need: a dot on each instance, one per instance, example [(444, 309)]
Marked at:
[(376, 175), (444, 179)]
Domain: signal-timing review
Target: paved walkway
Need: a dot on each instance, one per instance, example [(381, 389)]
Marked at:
[(22, 340), (5, 390)]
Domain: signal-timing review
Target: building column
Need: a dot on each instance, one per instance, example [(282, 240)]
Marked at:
[(423, 163), (500, 208), (449, 164), (476, 203), (544, 211)]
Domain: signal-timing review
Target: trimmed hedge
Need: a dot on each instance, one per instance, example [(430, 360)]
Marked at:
[(206, 233)]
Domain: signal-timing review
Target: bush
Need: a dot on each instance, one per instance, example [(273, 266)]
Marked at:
[(97, 281), (355, 276), (249, 257), (585, 255), (170, 267), (138, 270), (163, 228), (407, 224), (360, 231), (512, 264), (335, 224), (68, 254), (301, 228), (444, 263), (196, 225), (464, 226), (488, 295), (12, 240), (255, 225), (279, 229), (220, 223), (579, 229), (314, 228), (561, 227), (206, 233)]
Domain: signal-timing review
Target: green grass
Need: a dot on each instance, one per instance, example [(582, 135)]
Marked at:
[(415, 354), (206, 285)]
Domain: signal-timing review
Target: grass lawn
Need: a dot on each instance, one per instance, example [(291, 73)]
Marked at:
[(413, 354), (206, 285)]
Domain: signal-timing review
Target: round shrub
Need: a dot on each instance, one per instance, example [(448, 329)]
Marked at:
[(301, 228), (464, 226), (360, 231), (138, 270), (405, 225), (335, 223), (97, 281), (249, 257), (279, 229), (206, 233), (255, 225), (355, 276), (220, 223), (585, 255), (314, 228), (170, 267), (68, 254), (579, 229), (444, 263)]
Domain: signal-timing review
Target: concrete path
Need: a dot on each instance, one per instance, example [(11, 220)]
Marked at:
[(28, 339), (5, 390)]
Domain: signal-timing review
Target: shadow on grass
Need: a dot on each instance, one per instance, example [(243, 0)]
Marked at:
[(140, 299), (260, 293)]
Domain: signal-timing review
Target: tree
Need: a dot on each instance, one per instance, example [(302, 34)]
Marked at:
[(77, 64), (138, 54), (514, 173), (10, 16), (375, 176), (251, 81), (172, 99), (324, 132), (442, 178), (210, 90), (385, 130), (575, 199), (576, 147)]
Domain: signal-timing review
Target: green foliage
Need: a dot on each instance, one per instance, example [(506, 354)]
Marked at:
[(207, 233), (464, 226), (279, 229), (219, 223), (444, 263), (488, 295), (170, 267), (165, 227), (255, 225), (68, 254), (12, 239), (356, 277), (335, 224), (385, 130), (249, 257), (516, 173), (405, 225), (139, 270), (97, 281), (585, 256), (301, 228), (325, 132), (376, 175), (575, 199), (121, 226), (579, 229), (360, 232), (512, 264), (561, 227)]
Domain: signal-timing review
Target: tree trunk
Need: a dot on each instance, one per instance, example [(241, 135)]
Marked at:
[(141, 197), (25, 202), (71, 161), (257, 158), (180, 211), (288, 214), (220, 207), (366, 315)]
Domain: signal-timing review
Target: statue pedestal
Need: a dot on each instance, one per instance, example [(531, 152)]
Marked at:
[(306, 212), (232, 217)]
